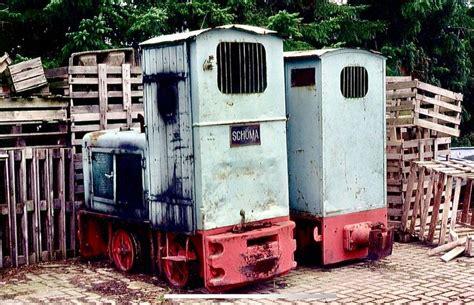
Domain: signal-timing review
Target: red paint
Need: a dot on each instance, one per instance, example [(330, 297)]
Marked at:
[(236, 259), (123, 250), (177, 262), (356, 236), (332, 249), (226, 258), (92, 242)]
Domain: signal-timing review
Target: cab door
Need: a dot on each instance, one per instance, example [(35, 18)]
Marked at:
[(169, 138)]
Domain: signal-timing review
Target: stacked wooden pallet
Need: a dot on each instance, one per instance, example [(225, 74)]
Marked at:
[(437, 207), (106, 92), (37, 220), (414, 103), (421, 119), (40, 144), (33, 122)]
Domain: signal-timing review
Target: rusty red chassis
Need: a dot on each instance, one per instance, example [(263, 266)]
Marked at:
[(330, 240), (222, 258)]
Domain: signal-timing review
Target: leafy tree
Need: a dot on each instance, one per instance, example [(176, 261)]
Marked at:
[(431, 40), (328, 25)]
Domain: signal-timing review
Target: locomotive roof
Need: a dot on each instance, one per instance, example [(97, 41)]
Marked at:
[(193, 34), (324, 52), (116, 139)]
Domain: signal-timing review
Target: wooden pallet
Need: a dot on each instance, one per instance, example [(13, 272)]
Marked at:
[(106, 92), (33, 122), (37, 216), (431, 211), (58, 81), (405, 145), (111, 57), (414, 103), (27, 75), (104, 97)]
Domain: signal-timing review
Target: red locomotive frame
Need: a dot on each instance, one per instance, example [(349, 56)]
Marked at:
[(224, 258)]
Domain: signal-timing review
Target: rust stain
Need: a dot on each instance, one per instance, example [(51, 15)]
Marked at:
[(94, 137)]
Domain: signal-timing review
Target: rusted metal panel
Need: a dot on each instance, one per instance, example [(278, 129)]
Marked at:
[(169, 142), (337, 144)]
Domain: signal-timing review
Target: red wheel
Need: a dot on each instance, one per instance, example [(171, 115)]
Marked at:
[(124, 249), (178, 272)]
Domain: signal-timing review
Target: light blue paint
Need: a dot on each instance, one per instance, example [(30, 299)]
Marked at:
[(221, 181), (336, 146)]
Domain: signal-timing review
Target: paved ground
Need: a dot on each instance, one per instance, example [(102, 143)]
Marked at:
[(409, 275)]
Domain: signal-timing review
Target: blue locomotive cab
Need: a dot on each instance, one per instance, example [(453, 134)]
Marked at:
[(114, 173)]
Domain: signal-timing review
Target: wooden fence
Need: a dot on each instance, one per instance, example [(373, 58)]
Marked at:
[(37, 218)]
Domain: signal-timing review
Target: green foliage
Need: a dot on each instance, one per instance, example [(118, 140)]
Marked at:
[(429, 39), (145, 25), (287, 25), (89, 36), (325, 25)]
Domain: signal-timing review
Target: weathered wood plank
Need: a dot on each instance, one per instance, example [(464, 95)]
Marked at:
[(446, 207), (23, 199), (466, 200), (457, 192), (103, 98), (127, 93), (12, 209), (440, 91), (426, 204), (436, 206), (62, 199), (94, 70), (408, 197), (453, 254), (33, 115)]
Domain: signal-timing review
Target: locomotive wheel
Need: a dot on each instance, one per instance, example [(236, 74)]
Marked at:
[(178, 273), (125, 250)]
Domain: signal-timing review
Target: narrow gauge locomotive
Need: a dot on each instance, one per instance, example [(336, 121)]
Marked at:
[(335, 102), (204, 191)]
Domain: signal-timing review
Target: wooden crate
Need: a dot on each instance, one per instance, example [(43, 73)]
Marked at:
[(27, 75), (441, 207), (414, 103), (4, 62), (33, 122), (37, 215)]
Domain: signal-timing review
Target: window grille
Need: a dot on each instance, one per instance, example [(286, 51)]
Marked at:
[(241, 67), (354, 82)]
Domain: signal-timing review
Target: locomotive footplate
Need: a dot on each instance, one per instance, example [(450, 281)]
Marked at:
[(235, 259)]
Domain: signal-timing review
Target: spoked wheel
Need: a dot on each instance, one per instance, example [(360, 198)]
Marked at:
[(125, 250), (179, 270)]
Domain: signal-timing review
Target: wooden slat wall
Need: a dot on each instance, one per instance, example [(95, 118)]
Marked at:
[(37, 217)]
